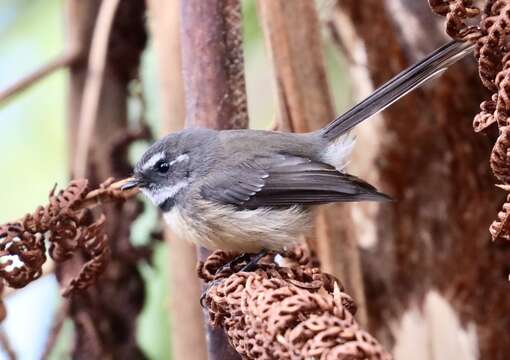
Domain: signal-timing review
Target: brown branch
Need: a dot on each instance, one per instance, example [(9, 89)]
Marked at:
[(210, 67), (109, 193), (213, 69), (64, 60), (94, 83)]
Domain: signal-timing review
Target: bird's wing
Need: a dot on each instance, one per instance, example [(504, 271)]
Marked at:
[(285, 180)]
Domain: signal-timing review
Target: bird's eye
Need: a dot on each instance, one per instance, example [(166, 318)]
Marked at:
[(162, 166)]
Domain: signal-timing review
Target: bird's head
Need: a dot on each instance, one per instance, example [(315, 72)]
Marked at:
[(172, 164), (167, 168)]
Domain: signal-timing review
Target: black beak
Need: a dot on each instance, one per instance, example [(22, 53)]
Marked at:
[(130, 183)]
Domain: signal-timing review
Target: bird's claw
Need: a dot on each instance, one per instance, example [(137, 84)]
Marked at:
[(209, 285)]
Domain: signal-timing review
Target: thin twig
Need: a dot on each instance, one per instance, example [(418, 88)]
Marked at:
[(101, 195), (58, 324), (6, 346), (94, 83), (61, 61)]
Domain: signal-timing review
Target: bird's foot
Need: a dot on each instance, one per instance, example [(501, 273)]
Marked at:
[(250, 259), (230, 266), (250, 266), (207, 288), (251, 262)]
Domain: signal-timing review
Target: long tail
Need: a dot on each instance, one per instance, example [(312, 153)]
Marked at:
[(430, 67)]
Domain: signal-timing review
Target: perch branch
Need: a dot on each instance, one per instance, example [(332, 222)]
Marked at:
[(94, 83), (285, 313)]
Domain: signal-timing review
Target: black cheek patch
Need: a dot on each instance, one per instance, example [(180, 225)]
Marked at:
[(167, 205)]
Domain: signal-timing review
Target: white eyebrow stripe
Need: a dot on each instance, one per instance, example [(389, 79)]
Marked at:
[(153, 160), (182, 157)]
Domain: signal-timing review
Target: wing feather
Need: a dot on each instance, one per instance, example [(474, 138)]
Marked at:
[(286, 180)]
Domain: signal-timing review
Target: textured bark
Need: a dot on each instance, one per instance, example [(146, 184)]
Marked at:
[(213, 64), (186, 316), (292, 32), (423, 152), (215, 93), (105, 315)]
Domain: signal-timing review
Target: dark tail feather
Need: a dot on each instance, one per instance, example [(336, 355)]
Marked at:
[(433, 65)]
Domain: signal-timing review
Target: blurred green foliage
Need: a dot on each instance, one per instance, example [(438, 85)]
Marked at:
[(33, 146)]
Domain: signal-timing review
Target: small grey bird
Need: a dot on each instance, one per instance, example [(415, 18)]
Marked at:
[(250, 190)]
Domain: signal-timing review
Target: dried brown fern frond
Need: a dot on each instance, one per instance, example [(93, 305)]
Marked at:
[(499, 159), (493, 53), (457, 13), (485, 117), (64, 226), (500, 228), (285, 312)]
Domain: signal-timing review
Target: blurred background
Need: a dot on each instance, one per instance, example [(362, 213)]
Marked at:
[(34, 156)]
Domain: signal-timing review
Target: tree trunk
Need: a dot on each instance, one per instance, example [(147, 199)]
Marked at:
[(213, 70), (434, 282)]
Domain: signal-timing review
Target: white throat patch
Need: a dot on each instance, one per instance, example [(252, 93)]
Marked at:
[(159, 196)]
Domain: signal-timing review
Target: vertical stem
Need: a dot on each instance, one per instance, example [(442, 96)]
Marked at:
[(214, 84), (213, 65), (105, 316), (292, 32), (186, 316)]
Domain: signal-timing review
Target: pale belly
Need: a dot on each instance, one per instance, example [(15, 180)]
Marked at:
[(226, 228)]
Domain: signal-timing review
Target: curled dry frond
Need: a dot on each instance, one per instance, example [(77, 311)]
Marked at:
[(499, 158), (500, 228), (64, 226), (493, 54), (285, 313), (457, 13)]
